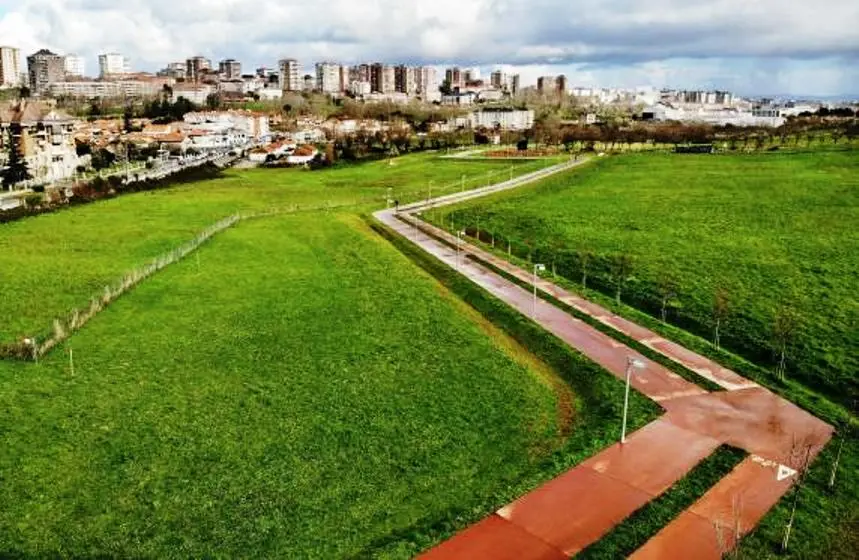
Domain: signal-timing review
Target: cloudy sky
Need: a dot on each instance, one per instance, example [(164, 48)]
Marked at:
[(749, 46)]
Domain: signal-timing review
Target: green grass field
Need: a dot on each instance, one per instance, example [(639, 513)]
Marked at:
[(53, 263), (299, 392), (773, 231)]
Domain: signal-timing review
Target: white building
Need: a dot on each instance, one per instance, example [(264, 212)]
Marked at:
[(254, 127), (113, 64), (328, 77), (291, 78), (360, 89), (75, 66), (45, 137), (717, 117), (110, 89), (503, 119), (195, 93), (426, 81), (10, 67)]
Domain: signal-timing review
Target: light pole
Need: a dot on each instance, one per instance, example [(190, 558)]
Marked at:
[(459, 235), (538, 268), (631, 364)]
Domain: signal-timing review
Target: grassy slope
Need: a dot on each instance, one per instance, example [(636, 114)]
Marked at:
[(53, 263), (772, 229), (304, 403)]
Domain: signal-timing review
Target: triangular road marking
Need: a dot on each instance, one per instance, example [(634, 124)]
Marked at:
[(784, 472)]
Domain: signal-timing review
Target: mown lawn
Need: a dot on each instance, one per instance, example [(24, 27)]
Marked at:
[(774, 232), (301, 390), (51, 264)]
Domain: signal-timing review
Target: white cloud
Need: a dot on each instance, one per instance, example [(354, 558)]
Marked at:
[(720, 40)]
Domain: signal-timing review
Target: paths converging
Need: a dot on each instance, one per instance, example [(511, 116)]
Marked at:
[(567, 514)]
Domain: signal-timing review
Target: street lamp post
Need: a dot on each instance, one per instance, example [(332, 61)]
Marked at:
[(459, 236), (538, 268), (631, 364)]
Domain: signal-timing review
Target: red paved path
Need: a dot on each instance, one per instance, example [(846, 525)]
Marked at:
[(569, 513)]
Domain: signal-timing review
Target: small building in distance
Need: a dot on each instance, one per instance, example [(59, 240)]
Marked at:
[(502, 119)]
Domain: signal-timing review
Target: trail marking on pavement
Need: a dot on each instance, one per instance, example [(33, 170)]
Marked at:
[(784, 472)]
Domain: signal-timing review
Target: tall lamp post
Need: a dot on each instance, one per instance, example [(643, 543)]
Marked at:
[(631, 364), (538, 268), (459, 236)]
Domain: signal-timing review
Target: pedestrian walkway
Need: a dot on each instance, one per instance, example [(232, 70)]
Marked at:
[(567, 514)]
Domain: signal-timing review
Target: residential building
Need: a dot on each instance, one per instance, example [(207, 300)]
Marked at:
[(426, 81), (515, 84), (195, 93), (360, 89), (101, 89), (382, 78), (10, 67), (455, 77), (502, 119), (175, 70), (328, 78), (45, 137), (196, 67), (561, 85), (498, 80), (309, 83), (290, 75), (253, 126), (471, 75), (404, 80), (113, 64), (75, 66), (715, 116), (45, 68), (230, 69)]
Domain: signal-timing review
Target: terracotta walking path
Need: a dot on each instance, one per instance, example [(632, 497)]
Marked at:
[(565, 515)]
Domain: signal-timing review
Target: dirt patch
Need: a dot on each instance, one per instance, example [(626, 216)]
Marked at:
[(513, 153)]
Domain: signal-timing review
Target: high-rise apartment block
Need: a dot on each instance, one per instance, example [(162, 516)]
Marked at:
[(196, 67), (382, 78), (552, 85), (75, 66), (113, 64), (498, 80), (291, 78), (10, 67), (455, 77), (328, 78), (45, 68), (404, 80), (230, 69)]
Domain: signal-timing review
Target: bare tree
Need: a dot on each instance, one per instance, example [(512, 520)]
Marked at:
[(585, 258), (721, 311), (784, 327), (622, 272), (667, 290), (801, 453), (844, 433)]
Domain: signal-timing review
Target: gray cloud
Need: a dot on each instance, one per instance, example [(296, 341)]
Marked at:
[(587, 35)]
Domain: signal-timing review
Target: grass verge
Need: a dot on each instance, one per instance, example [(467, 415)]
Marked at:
[(598, 405)]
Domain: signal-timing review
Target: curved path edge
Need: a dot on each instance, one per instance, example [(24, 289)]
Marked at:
[(567, 514)]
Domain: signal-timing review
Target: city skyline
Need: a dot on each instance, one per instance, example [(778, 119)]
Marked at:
[(760, 49)]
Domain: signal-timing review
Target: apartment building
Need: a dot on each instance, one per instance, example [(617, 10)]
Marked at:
[(75, 66), (113, 64), (45, 137), (455, 77), (290, 75), (328, 79), (230, 69), (10, 67), (426, 81), (502, 119), (175, 70), (45, 68), (404, 80), (196, 68), (105, 89), (383, 78)]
